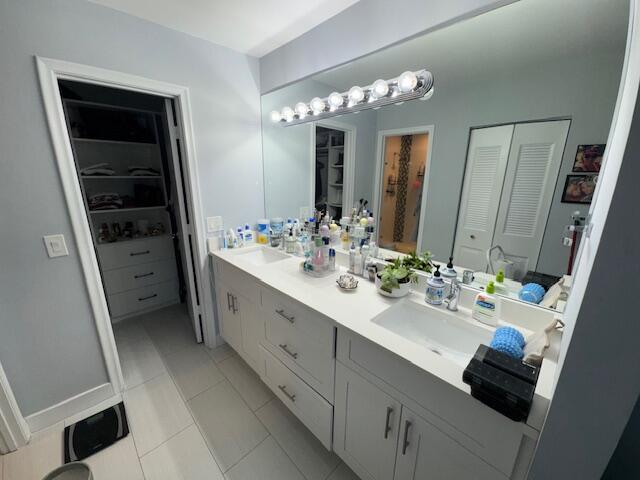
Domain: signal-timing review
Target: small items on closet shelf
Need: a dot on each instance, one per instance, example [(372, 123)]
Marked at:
[(105, 201), (97, 170), (138, 171)]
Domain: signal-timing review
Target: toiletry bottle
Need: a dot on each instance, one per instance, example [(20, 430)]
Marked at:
[(263, 231), (486, 306), (352, 258), (318, 256), (448, 275), (332, 260), (357, 262), (290, 245), (365, 251), (500, 287), (373, 249), (240, 236), (248, 236), (435, 288)]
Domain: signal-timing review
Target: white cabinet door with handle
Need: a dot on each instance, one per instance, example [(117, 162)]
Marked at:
[(366, 424), (230, 325), (426, 453)]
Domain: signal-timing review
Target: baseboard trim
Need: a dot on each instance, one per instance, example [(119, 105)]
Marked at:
[(82, 402)]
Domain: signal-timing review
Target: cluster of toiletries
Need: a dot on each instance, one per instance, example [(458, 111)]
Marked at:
[(241, 237)]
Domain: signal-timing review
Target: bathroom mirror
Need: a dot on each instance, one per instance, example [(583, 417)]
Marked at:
[(494, 167)]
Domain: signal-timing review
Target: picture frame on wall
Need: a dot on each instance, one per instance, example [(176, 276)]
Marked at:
[(589, 158), (579, 189)]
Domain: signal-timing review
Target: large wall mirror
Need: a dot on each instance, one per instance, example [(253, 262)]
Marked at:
[(490, 169)]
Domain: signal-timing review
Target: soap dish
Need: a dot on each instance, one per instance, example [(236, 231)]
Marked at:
[(347, 283)]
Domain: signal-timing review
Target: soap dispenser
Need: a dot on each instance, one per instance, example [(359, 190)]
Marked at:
[(435, 288), (486, 306), (449, 274)]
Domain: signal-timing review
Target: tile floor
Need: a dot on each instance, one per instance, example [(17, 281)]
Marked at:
[(194, 413)]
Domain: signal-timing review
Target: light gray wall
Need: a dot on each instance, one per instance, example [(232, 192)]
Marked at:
[(540, 91), (363, 28), (48, 341)]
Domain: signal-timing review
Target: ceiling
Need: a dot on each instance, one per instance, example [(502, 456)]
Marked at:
[(254, 27), (528, 32)]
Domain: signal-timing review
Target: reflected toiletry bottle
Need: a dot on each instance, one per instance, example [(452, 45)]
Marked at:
[(344, 235), (290, 246), (365, 251), (373, 249), (448, 275), (352, 258), (500, 287), (248, 236), (357, 262), (318, 256), (435, 288)]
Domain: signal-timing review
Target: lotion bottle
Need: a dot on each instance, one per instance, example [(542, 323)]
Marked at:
[(486, 306), (435, 288)]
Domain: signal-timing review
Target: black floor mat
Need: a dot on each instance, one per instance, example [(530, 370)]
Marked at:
[(95, 433)]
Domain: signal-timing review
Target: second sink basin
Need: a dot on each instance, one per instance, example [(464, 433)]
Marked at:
[(439, 331), (261, 255)]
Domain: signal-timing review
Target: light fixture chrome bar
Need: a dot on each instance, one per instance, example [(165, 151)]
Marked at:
[(407, 86)]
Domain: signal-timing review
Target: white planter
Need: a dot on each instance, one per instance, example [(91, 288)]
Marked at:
[(404, 289)]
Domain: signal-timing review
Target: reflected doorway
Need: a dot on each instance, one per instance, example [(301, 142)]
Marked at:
[(401, 190)]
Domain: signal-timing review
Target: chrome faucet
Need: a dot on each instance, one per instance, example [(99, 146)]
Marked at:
[(451, 300)]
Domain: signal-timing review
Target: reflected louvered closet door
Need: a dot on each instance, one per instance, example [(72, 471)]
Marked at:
[(534, 162), (486, 166)]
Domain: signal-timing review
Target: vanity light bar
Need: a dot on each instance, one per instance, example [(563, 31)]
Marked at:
[(407, 86)]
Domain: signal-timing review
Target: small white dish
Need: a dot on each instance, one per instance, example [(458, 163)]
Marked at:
[(347, 283)]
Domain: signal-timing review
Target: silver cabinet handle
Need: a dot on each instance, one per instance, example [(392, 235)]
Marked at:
[(293, 355), (291, 318), (405, 443), (387, 427), (135, 254), (142, 275), (147, 298), (228, 301), (290, 396), (234, 299)]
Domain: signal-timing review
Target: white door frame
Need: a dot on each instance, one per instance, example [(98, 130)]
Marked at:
[(348, 173), (380, 150), (49, 72), (14, 431)]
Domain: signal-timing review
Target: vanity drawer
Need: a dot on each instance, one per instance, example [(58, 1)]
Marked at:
[(312, 410), (137, 276), (480, 429), (306, 322), (125, 254), (312, 361), (132, 301)]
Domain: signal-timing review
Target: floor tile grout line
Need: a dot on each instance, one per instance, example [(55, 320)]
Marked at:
[(167, 440), (248, 453)]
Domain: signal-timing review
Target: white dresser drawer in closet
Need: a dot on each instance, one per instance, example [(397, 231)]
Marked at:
[(132, 301), (125, 254), (128, 278), (305, 403)]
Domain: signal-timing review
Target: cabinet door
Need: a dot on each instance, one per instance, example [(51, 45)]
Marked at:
[(366, 422), (426, 453), (252, 326), (230, 326)]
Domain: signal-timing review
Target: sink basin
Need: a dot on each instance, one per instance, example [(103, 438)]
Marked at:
[(437, 330), (261, 256)]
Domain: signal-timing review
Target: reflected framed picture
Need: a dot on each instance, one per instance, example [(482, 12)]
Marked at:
[(588, 158), (579, 188)]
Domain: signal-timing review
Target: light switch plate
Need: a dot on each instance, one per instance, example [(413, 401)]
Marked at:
[(56, 246), (214, 224)]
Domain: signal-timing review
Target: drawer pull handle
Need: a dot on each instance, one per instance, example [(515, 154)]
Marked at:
[(135, 254), (405, 443), (234, 305), (291, 318), (228, 301), (147, 298), (290, 396), (387, 427), (142, 275), (293, 355)]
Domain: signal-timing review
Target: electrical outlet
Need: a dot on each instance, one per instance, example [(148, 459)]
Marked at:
[(56, 246), (214, 224)]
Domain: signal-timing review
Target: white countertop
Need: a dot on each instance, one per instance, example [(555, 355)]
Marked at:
[(355, 311)]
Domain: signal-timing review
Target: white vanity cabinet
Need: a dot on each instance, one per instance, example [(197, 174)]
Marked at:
[(241, 325), (448, 433)]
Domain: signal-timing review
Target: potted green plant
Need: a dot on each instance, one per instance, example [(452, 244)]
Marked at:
[(395, 280), (420, 262)]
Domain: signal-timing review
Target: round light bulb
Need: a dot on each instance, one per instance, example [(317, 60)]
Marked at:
[(302, 109), (356, 94), (336, 100), (275, 116), (317, 105), (287, 113), (407, 82), (379, 89)]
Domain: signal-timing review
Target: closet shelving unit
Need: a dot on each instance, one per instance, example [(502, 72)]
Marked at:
[(139, 271), (330, 152)]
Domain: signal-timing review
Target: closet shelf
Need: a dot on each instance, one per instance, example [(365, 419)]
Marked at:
[(112, 142), (119, 177), (336, 185), (135, 239), (119, 210), (336, 166)]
